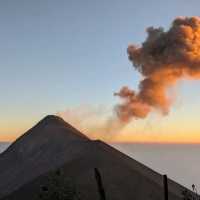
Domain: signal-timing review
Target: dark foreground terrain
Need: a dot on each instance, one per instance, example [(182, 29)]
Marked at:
[(53, 144)]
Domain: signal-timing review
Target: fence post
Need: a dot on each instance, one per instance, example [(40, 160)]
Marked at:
[(165, 185), (100, 184)]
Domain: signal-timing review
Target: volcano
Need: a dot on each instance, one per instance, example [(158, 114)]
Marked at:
[(54, 144)]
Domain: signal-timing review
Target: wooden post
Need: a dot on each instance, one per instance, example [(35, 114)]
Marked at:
[(100, 184), (165, 185)]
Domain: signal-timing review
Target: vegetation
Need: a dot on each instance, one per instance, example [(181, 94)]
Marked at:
[(58, 188), (189, 195)]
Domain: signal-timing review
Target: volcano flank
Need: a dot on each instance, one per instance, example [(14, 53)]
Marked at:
[(54, 144)]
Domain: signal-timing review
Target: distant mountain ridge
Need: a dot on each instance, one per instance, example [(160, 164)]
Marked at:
[(53, 144)]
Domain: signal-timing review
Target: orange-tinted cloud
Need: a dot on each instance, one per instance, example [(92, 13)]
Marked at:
[(164, 58)]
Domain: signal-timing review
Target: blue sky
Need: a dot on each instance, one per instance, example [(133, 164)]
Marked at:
[(60, 54)]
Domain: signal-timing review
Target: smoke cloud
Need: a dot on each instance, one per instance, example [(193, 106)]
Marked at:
[(96, 121), (164, 58)]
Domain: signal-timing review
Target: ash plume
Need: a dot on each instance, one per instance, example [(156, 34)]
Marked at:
[(164, 58)]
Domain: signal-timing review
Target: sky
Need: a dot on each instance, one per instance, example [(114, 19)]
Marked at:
[(60, 55)]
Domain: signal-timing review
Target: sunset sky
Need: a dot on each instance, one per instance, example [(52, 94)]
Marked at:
[(61, 55)]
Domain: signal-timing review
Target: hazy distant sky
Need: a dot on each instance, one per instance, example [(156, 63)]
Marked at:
[(61, 54)]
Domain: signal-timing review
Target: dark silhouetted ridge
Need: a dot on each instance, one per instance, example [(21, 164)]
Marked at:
[(54, 144)]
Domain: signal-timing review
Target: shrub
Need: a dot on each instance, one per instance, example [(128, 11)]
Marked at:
[(58, 187)]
